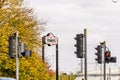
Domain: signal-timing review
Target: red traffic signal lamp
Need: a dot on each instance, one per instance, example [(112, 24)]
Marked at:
[(107, 56)]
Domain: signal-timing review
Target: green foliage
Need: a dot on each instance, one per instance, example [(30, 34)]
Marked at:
[(64, 77), (73, 77), (67, 77)]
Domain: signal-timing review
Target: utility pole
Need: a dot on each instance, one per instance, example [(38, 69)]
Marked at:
[(85, 42)]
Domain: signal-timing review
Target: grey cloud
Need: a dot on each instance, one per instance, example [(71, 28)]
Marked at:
[(66, 18)]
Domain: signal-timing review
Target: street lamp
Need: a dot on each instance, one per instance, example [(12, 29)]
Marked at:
[(115, 1)]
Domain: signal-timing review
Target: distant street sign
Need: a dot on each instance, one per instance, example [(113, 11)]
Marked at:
[(115, 1), (50, 39)]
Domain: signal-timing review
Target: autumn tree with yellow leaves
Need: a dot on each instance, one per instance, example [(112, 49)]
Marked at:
[(14, 17)]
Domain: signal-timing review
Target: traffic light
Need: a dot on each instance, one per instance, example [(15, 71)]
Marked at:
[(113, 59), (28, 53), (79, 45), (99, 54), (22, 47), (11, 47), (107, 56), (23, 52)]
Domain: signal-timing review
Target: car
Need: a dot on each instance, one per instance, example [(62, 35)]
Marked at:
[(7, 78)]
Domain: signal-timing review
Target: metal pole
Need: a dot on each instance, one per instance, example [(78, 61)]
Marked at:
[(17, 64), (101, 72), (81, 65), (85, 42), (43, 43), (104, 60), (57, 61), (109, 73)]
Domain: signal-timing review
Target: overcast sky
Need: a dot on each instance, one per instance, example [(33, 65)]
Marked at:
[(66, 18)]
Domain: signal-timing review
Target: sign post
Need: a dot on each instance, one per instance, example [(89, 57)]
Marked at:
[(57, 71), (43, 42), (50, 40)]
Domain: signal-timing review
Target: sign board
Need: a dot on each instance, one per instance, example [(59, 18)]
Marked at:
[(50, 39)]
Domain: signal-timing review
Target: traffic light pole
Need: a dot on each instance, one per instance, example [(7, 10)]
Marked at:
[(17, 64), (81, 65), (85, 47), (104, 46)]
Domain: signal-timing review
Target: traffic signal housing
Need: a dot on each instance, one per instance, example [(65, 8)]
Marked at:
[(113, 59), (79, 45), (99, 54), (11, 47), (28, 53), (108, 57), (23, 52), (22, 47)]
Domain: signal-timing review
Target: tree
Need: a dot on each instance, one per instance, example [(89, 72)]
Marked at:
[(15, 17), (27, 71)]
